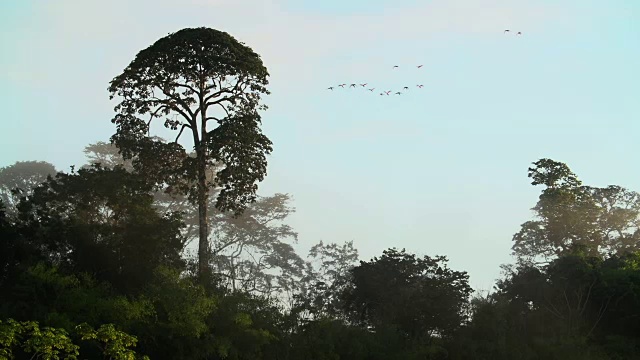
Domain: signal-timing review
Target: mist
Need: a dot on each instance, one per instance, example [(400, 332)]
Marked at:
[(270, 180)]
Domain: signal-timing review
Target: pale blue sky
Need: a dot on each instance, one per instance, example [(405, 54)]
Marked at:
[(438, 170)]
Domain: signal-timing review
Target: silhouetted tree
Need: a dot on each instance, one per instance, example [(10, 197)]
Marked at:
[(19, 179), (599, 221), (327, 276), (420, 297), (250, 252), (102, 222), (190, 74)]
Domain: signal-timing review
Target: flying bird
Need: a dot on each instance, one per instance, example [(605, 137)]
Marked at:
[(387, 92), (363, 85), (507, 30), (405, 88), (381, 94), (420, 86), (519, 33), (395, 66), (371, 89), (419, 66), (352, 85), (330, 88), (398, 93), (342, 85)]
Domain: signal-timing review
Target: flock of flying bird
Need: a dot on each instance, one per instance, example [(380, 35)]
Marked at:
[(395, 66), (371, 89)]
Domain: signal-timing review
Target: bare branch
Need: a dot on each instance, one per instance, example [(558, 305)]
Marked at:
[(603, 309), (255, 261), (214, 86), (221, 91), (588, 295), (188, 87), (177, 109), (564, 292), (223, 108), (181, 130), (233, 242), (155, 112), (217, 94), (219, 101), (556, 312), (153, 116), (238, 251), (233, 90), (180, 101)]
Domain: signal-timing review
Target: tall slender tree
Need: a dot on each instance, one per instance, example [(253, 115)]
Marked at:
[(192, 78)]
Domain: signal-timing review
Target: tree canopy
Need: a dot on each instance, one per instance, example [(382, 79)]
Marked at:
[(190, 74), (573, 216), (19, 179)]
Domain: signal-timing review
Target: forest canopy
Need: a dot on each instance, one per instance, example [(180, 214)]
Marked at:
[(98, 262)]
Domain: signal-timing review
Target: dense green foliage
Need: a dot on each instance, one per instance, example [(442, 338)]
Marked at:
[(95, 249), (98, 248), (94, 263)]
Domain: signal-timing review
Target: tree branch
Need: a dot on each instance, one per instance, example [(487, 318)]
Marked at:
[(556, 312), (238, 251), (180, 101), (235, 241), (214, 85), (564, 292), (216, 94), (233, 90), (178, 110), (219, 101), (588, 295), (181, 130), (155, 112), (223, 108), (603, 309), (154, 115), (188, 87)]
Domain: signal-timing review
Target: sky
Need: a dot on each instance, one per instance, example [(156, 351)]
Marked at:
[(440, 170)]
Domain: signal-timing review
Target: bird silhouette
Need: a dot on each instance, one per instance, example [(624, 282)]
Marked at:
[(363, 85), (419, 66), (352, 85), (507, 30), (395, 66), (381, 94), (420, 86), (398, 93), (330, 88), (405, 88), (371, 89), (342, 85), (519, 33), (387, 92)]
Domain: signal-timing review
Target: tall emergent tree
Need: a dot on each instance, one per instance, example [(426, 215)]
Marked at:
[(194, 78), (571, 216)]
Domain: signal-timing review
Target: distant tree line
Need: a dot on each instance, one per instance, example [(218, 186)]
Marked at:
[(95, 262)]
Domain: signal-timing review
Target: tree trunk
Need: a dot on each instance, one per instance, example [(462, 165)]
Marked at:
[(203, 190), (203, 233)]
